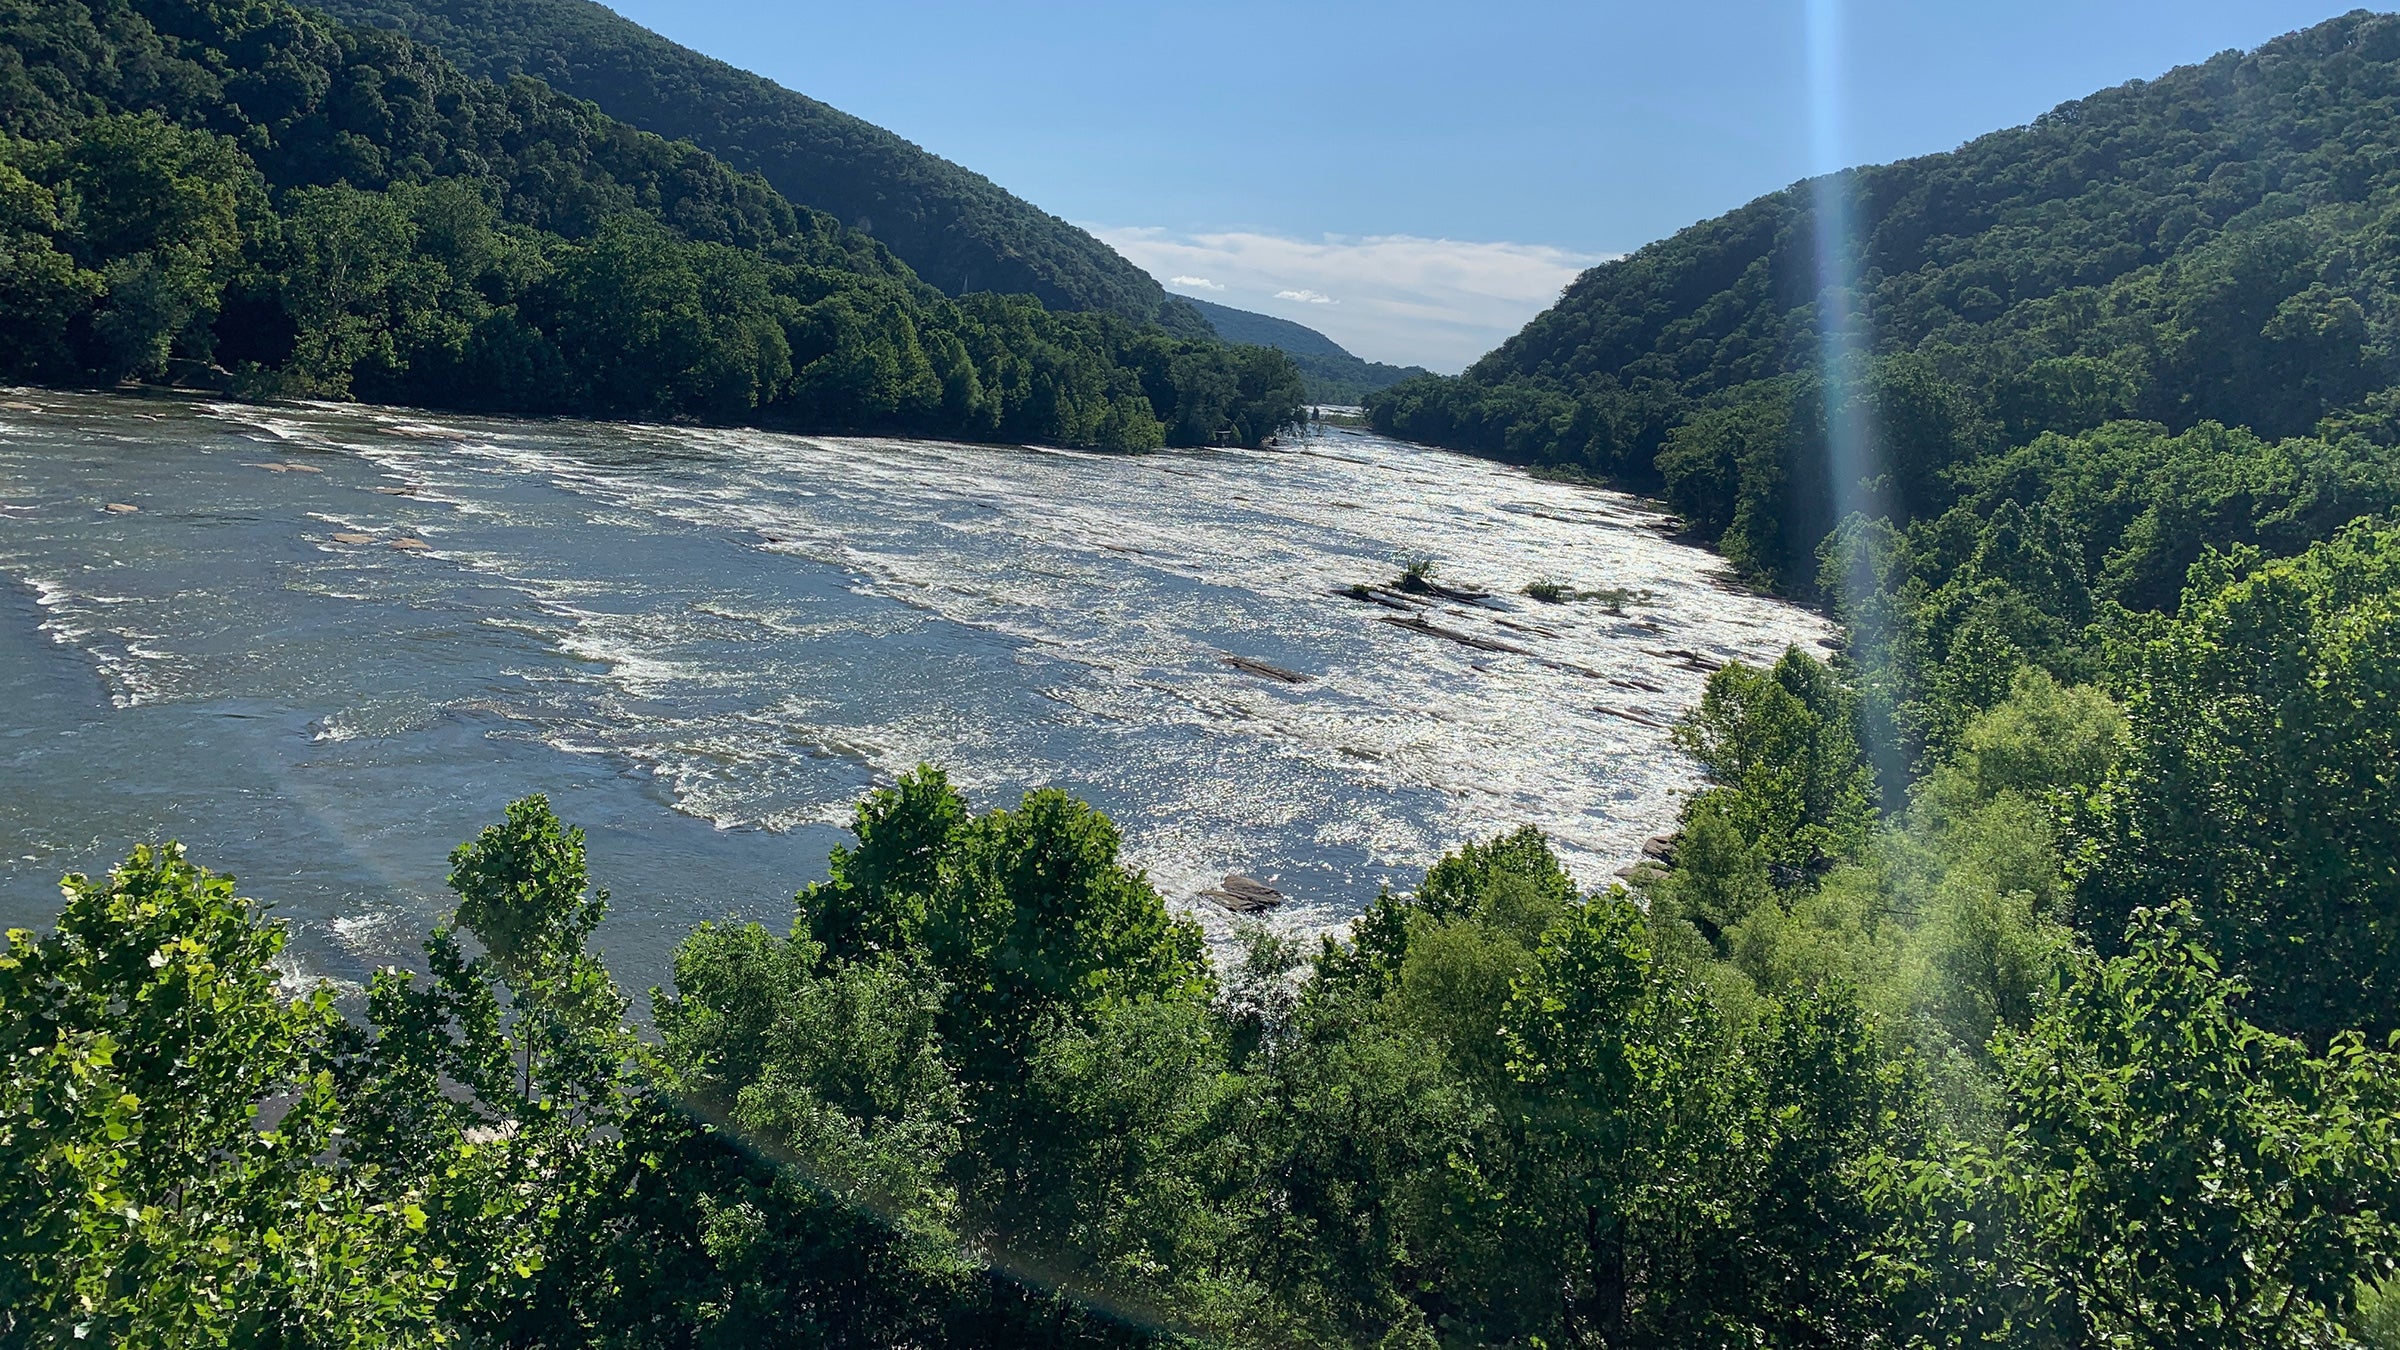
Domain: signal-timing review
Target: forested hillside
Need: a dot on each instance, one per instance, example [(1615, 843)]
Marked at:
[(2028, 977), (2082, 353), (1264, 330), (958, 229), (1333, 375), (2214, 246), (251, 196)]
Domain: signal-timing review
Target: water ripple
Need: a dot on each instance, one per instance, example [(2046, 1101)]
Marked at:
[(745, 630)]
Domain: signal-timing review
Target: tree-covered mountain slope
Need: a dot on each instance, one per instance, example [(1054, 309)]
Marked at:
[(958, 229), (2027, 976), (1332, 374), (252, 195), (2219, 245), (1264, 330)]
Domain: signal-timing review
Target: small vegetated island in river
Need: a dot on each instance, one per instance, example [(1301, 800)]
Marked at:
[(2027, 977)]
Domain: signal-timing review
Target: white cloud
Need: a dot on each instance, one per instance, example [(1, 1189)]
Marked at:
[(1410, 301), (1194, 283)]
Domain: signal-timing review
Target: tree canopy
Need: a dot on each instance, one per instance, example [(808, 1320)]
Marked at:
[(2209, 249), (955, 228), (253, 198)]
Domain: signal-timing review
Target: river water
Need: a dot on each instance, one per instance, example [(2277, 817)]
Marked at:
[(705, 645)]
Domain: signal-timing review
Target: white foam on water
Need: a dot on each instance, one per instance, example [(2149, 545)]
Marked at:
[(375, 932), (1514, 743), (627, 645), (757, 625), (375, 718), (132, 671), (294, 979)]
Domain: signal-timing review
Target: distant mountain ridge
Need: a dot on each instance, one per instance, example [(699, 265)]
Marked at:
[(1332, 373), (1265, 330), (955, 228)]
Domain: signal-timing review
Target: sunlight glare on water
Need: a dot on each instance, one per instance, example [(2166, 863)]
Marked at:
[(707, 644)]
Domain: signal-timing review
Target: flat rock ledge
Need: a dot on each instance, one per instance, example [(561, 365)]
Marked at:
[(1252, 666), (1481, 644), (1244, 895)]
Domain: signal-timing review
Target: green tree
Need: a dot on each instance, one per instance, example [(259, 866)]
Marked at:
[(2171, 1175), (512, 1070), (2259, 785), (41, 287), (1020, 913), (1783, 748), (524, 893), (159, 211), (344, 253), (834, 1067), (1635, 1098), (171, 1164), (1695, 1180)]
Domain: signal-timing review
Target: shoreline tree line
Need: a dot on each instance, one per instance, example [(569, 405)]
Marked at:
[(254, 198), (2027, 976)]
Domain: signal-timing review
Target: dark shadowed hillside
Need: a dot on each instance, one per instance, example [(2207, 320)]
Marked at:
[(958, 229), (253, 197), (1265, 330)]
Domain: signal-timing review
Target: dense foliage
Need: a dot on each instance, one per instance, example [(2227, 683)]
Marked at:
[(2024, 978), (2095, 368), (2211, 249), (1333, 376), (2092, 817), (956, 228), (2054, 1052), (250, 196)]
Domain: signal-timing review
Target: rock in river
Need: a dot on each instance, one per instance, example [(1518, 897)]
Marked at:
[(1251, 666), (1244, 895)]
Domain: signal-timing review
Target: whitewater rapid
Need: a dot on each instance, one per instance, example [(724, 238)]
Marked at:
[(707, 644)]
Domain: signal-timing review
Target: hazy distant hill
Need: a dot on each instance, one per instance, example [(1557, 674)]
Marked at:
[(957, 229), (1332, 373)]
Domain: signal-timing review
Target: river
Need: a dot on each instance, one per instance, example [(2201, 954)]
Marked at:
[(330, 642)]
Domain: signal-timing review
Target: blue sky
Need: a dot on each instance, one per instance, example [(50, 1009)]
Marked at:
[(1414, 178)]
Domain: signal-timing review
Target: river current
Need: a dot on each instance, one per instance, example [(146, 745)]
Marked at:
[(328, 643)]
